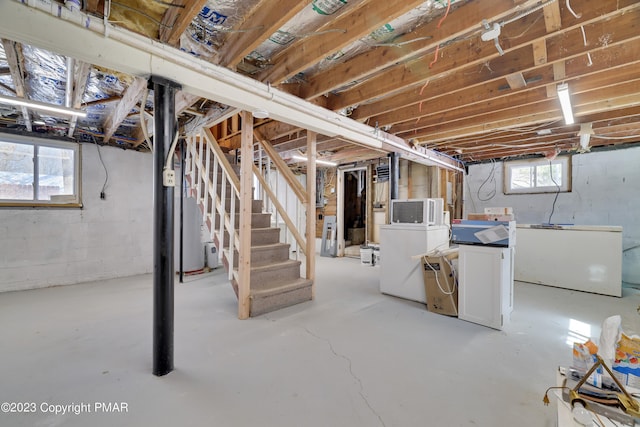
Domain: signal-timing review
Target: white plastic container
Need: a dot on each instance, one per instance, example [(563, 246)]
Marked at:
[(212, 255), (366, 256)]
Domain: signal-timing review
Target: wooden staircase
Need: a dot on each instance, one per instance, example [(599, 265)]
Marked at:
[(275, 280)]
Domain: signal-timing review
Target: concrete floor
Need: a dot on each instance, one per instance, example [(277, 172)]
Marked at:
[(353, 357)]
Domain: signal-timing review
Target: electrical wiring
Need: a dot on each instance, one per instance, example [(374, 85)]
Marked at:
[(526, 29), (400, 44), (446, 13), (435, 56), (555, 199), (106, 172), (143, 123), (455, 281), (615, 137), (575, 15), (490, 178)]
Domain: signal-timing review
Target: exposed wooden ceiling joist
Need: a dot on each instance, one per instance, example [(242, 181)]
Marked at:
[(176, 19), (13, 52), (341, 32), (262, 22)]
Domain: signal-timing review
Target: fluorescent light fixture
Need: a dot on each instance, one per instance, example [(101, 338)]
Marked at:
[(320, 162), (41, 106), (565, 103)]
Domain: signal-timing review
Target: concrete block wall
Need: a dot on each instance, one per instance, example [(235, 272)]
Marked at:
[(106, 238), (605, 186)]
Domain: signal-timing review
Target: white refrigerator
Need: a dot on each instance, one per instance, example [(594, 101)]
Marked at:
[(400, 265)]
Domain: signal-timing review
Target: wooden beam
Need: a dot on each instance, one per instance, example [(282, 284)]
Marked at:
[(539, 52), (7, 88), (176, 19), (81, 77), (474, 91), (410, 78), (609, 98), (310, 260), (258, 26), (246, 186), (184, 101), (420, 41), (340, 32), (516, 81), (129, 100), (13, 52), (552, 18)]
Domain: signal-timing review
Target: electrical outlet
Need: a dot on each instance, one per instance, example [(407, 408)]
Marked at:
[(169, 178)]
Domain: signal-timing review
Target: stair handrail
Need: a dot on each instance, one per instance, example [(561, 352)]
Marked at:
[(200, 160)]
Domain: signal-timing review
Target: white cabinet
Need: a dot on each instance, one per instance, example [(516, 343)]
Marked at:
[(400, 268), (485, 279)]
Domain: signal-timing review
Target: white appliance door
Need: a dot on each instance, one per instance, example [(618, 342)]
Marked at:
[(483, 275)]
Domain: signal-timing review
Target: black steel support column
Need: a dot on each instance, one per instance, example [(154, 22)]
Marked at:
[(182, 164), (394, 175), (164, 133)]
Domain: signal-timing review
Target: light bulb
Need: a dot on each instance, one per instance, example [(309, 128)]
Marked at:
[(581, 415)]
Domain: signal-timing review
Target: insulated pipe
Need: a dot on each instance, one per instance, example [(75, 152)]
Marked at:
[(164, 124), (394, 175)]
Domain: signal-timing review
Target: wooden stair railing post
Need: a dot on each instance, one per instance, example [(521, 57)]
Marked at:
[(207, 180), (246, 174), (310, 251), (199, 181)]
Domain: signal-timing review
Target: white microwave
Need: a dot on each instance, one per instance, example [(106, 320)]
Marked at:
[(417, 211)]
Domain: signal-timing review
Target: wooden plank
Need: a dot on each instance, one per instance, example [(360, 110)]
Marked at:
[(310, 252), (460, 22), (412, 75), (176, 19), (95, 6), (81, 77), (340, 32), (559, 74), (539, 52), (608, 98), (258, 26), (516, 81), (609, 66), (295, 185), (13, 52), (552, 18), (129, 100), (246, 187)]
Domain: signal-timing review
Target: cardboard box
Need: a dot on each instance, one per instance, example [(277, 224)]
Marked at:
[(499, 211), (440, 283), (489, 217)]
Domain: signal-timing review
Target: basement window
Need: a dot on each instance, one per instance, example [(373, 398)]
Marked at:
[(538, 176), (39, 172)]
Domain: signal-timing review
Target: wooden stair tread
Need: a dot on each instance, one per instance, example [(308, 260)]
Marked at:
[(283, 287)]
